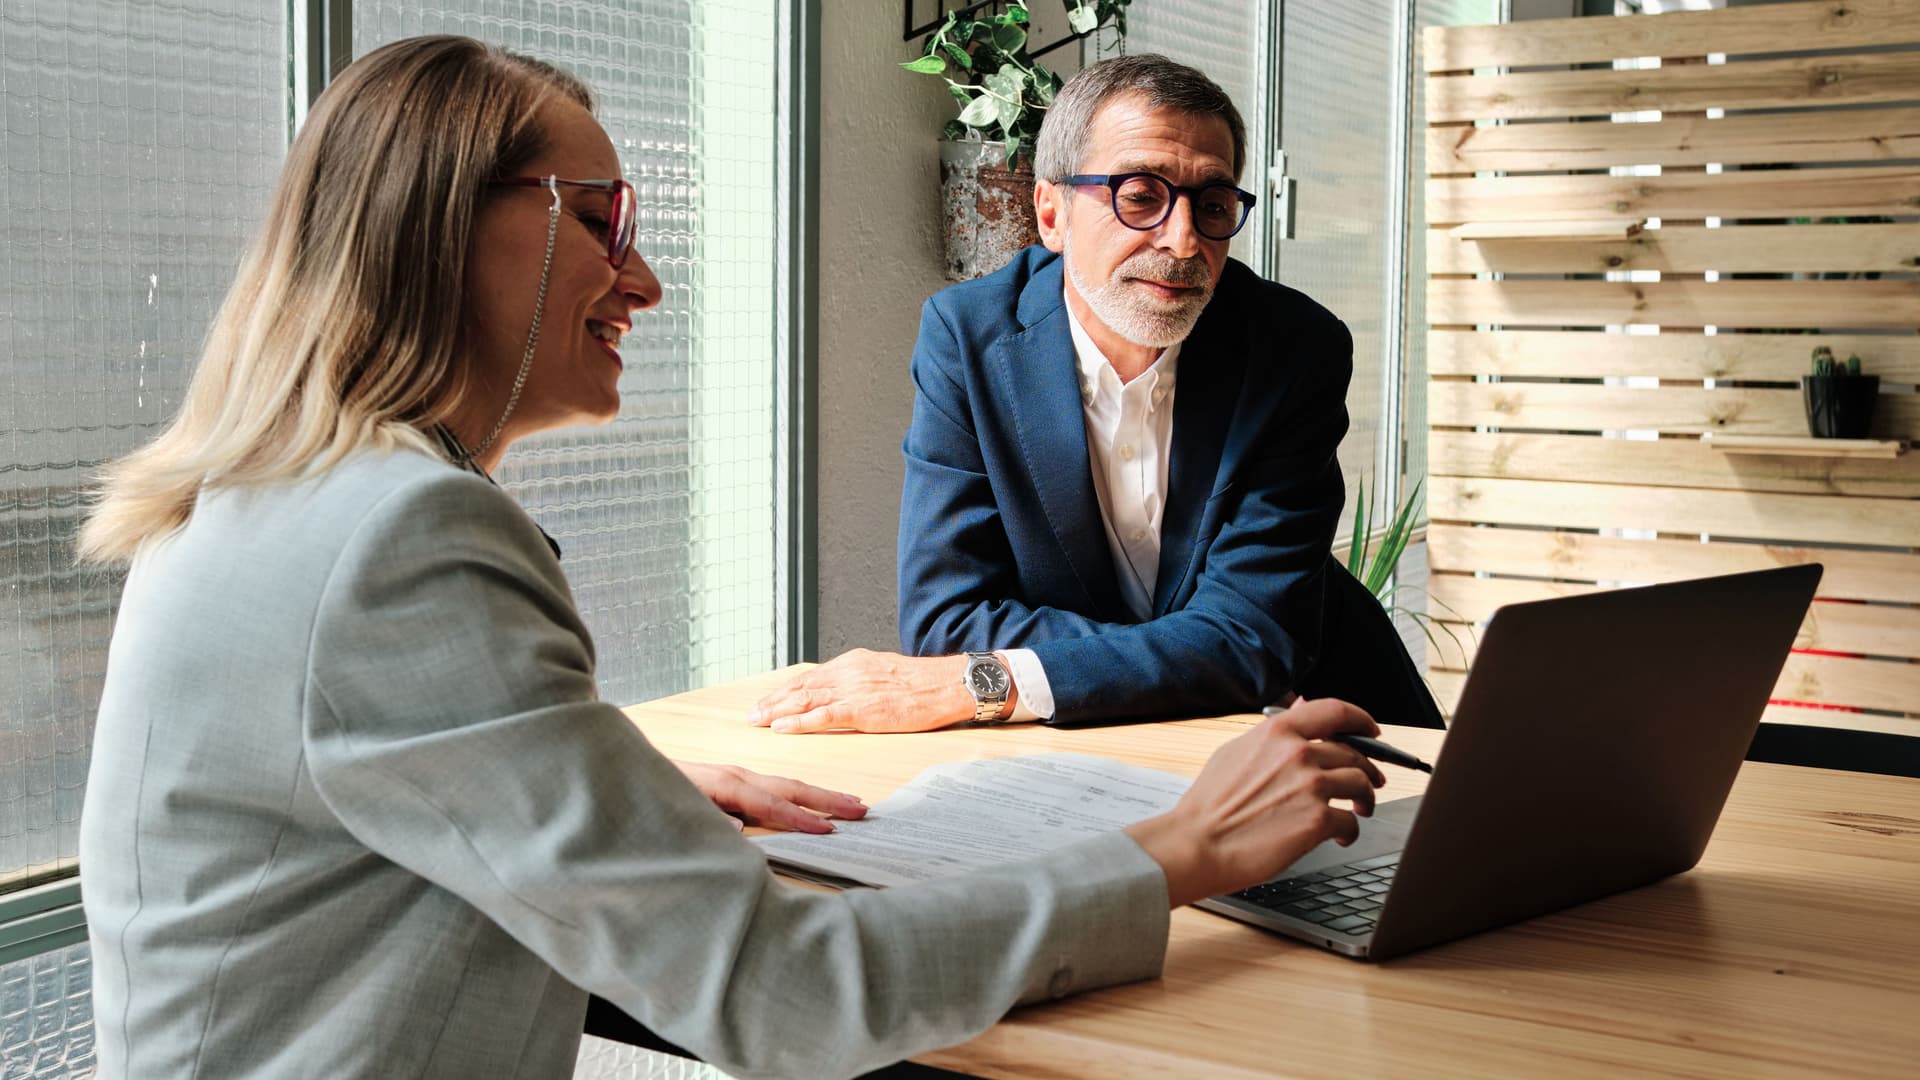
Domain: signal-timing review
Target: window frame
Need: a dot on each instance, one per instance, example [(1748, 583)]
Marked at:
[(41, 918)]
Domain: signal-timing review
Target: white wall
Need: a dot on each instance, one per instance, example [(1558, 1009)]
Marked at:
[(879, 260)]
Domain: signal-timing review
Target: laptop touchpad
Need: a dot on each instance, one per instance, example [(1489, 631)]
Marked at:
[(1382, 834)]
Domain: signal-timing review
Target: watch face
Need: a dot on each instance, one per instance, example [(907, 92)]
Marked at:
[(987, 680)]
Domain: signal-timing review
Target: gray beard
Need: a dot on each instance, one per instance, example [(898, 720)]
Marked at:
[(1128, 310)]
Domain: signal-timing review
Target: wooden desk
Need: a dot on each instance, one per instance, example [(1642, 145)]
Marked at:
[(1792, 949)]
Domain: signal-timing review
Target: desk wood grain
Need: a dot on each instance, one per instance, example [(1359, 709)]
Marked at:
[(1792, 949)]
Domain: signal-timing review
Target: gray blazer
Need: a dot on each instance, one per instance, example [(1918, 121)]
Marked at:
[(355, 810)]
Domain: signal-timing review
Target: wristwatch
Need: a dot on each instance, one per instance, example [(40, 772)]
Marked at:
[(989, 682)]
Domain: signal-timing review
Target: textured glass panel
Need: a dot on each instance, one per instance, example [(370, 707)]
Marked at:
[(1336, 126), (46, 1016), (138, 146), (665, 516), (734, 603)]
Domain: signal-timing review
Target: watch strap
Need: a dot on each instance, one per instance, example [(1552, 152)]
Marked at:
[(987, 708)]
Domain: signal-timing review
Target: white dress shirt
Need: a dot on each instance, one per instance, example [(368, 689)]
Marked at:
[(1129, 441)]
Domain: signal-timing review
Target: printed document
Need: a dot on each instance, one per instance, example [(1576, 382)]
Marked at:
[(966, 815)]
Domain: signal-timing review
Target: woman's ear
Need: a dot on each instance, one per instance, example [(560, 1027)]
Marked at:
[(1050, 212)]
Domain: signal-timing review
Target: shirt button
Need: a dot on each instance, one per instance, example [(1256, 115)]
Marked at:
[(1126, 452), (1159, 393), (1139, 535)]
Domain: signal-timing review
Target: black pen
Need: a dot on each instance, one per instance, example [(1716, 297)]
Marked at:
[(1369, 746)]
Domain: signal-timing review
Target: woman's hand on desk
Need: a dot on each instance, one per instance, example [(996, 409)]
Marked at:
[(1262, 801), (773, 801)]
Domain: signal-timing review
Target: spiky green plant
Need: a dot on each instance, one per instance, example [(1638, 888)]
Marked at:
[(1375, 573), (1374, 566), (1825, 363)]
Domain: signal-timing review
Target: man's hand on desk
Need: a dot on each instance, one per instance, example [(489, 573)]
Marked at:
[(864, 690), (773, 801), (1261, 802)]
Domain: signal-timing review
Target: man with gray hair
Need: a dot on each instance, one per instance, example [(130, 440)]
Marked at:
[(1121, 489)]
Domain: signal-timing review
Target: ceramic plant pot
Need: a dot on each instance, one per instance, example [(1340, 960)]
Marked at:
[(1839, 406), (988, 209)]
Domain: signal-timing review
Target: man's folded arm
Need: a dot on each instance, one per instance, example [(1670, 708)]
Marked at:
[(1220, 653), (957, 573), (1238, 645)]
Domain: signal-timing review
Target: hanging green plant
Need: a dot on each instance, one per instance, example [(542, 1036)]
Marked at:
[(1002, 91)]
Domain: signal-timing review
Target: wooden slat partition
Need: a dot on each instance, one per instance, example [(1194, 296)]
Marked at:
[(1800, 519), (1669, 410), (1859, 305), (1836, 24), (1749, 249), (1864, 135), (1868, 79), (1745, 357), (1888, 577), (1879, 684), (1566, 455), (1871, 79), (1793, 193), (1687, 463), (1876, 629)]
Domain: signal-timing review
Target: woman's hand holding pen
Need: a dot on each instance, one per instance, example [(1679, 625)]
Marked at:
[(1263, 801)]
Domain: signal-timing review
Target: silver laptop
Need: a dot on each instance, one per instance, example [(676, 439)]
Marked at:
[(1592, 749)]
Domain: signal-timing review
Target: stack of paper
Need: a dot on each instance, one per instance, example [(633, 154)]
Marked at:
[(966, 815)]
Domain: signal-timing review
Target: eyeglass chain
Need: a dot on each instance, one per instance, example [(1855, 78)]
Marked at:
[(471, 458), (533, 334), (458, 448)]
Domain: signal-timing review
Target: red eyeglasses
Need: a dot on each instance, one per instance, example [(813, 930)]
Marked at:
[(621, 218)]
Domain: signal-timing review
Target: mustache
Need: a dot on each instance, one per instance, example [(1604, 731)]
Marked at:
[(1190, 273)]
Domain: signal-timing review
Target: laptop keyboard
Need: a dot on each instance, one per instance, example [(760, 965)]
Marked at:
[(1346, 898)]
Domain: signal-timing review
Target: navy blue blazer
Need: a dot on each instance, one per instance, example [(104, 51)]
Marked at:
[(1001, 541)]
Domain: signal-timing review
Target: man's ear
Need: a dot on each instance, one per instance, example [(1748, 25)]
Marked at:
[(1050, 211)]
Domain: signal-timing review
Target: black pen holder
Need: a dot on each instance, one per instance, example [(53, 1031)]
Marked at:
[(1839, 406)]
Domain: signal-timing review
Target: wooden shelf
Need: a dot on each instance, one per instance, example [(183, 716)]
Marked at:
[(1604, 228), (1805, 446)]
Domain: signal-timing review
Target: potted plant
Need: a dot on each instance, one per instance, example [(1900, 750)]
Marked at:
[(1838, 398), (986, 158)]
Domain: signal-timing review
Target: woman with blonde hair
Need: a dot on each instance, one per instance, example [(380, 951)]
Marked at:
[(355, 808)]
